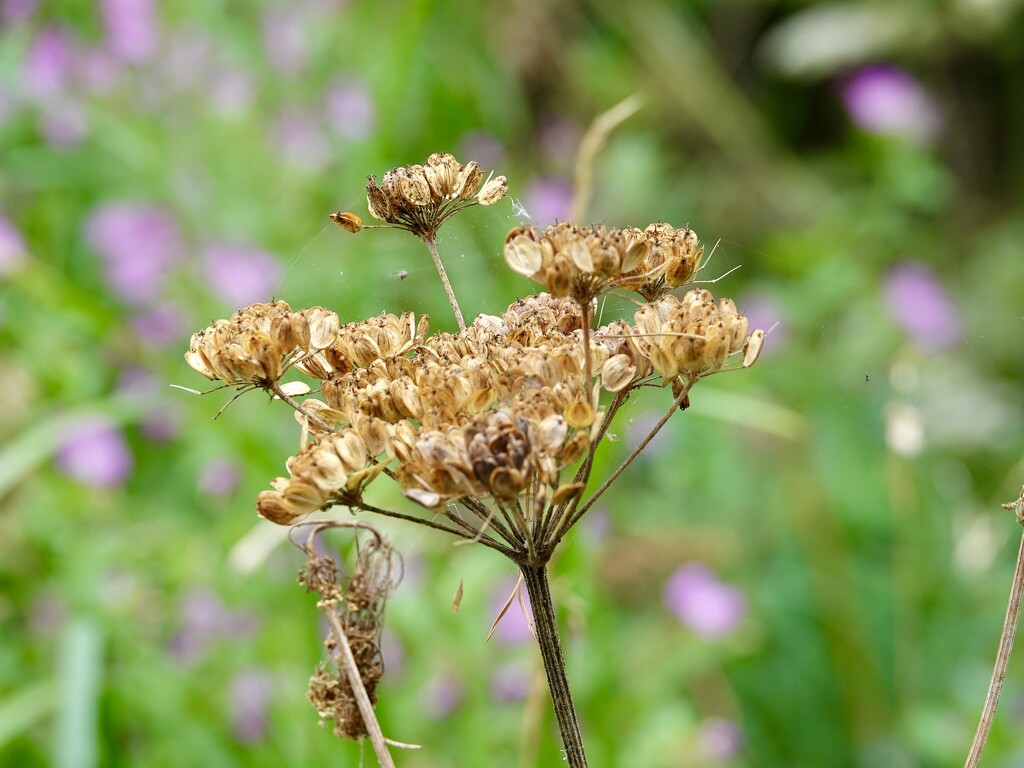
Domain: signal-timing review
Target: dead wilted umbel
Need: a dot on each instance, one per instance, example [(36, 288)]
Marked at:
[(492, 430)]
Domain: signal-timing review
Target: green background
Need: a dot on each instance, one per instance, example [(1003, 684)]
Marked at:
[(875, 579)]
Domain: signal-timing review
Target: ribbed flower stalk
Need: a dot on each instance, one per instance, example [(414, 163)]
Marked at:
[(546, 627)]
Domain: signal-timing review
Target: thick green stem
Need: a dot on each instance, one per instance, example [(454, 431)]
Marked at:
[(546, 627)]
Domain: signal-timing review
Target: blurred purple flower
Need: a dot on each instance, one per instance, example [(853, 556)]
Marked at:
[(138, 244), (132, 29), (596, 525), (884, 99), (63, 123), (97, 70), (392, 651), (701, 602), (188, 59), (350, 109), (251, 692), (548, 199), (919, 304), (204, 619), (137, 381), (49, 613), (284, 39), (559, 138), (240, 275), (161, 424), (94, 452), (514, 628), (720, 738), (219, 477), (482, 147), (13, 251), (301, 141), (49, 61), (232, 91), (511, 682), (764, 311), (161, 326), (16, 11), (440, 696)]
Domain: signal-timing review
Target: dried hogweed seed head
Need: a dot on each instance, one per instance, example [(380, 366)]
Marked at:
[(693, 336), (420, 198), (260, 342)]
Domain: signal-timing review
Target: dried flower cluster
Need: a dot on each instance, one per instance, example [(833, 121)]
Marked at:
[(583, 262), (420, 198), (494, 428), (497, 411), (260, 343)]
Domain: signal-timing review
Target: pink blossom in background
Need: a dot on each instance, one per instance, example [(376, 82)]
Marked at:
[(709, 608), (13, 250), (920, 305), (886, 100), (351, 112), (97, 70), (95, 453), (138, 244), (559, 139), (16, 11), (138, 382), (162, 326), (511, 682), (483, 147), (392, 651), (205, 619), (161, 424), (252, 690), (49, 62), (514, 627), (219, 477), (441, 696), (299, 138), (719, 738), (240, 275), (284, 40), (188, 59), (764, 311), (132, 29), (63, 122), (232, 91), (548, 199)]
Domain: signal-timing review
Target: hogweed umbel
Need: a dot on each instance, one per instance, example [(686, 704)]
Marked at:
[(493, 429)]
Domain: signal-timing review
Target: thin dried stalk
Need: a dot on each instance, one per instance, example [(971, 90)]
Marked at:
[(995, 686)]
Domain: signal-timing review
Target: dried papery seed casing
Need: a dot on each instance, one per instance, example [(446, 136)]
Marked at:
[(378, 201), (493, 190), (522, 252), (617, 373), (414, 186), (441, 169), (752, 348), (468, 181), (271, 506), (579, 415)]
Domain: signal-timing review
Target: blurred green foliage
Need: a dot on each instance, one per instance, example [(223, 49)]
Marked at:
[(848, 485)]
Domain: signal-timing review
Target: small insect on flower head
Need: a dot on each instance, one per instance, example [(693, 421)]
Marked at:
[(347, 220)]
